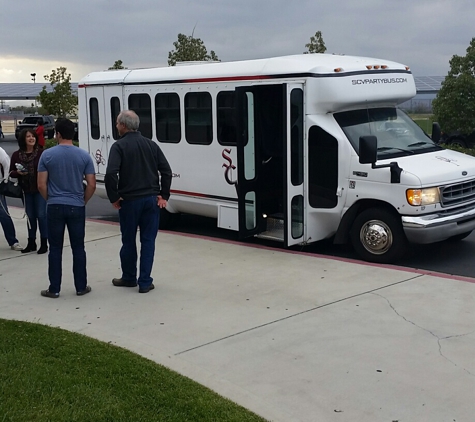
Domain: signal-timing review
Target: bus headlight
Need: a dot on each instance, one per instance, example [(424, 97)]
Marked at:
[(427, 196)]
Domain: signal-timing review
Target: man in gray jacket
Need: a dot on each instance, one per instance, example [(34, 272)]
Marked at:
[(138, 179)]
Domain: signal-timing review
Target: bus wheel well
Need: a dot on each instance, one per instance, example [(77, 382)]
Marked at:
[(342, 235)]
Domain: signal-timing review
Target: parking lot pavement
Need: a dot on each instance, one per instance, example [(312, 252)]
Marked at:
[(293, 337)]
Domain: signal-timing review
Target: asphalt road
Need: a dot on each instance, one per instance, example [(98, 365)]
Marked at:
[(447, 257)]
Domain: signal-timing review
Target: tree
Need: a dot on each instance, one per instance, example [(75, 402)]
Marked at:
[(454, 105), (316, 44), (61, 101), (117, 65), (191, 49)]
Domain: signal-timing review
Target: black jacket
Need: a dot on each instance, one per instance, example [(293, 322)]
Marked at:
[(132, 169)]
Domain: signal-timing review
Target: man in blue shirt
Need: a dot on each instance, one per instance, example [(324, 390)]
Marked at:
[(61, 172)]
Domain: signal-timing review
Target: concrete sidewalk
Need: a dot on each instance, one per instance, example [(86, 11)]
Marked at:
[(292, 337)]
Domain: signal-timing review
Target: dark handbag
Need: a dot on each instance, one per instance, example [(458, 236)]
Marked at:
[(10, 187)]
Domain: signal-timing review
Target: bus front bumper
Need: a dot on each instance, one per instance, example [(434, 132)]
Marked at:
[(432, 228)]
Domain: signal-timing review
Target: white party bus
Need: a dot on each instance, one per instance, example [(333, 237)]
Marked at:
[(296, 149)]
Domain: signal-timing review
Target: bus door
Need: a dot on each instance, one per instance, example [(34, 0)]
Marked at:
[(104, 103), (295, 227), (270, 166)]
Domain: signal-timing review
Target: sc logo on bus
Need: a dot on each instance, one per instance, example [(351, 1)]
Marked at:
[(229, 167)]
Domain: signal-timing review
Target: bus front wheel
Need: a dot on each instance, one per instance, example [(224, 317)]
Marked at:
[(377, 236)]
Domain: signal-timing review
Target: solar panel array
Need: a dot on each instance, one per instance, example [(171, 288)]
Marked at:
[(25, 91), (428, 83)]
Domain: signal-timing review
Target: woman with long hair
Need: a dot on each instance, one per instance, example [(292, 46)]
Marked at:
[(24, 166)]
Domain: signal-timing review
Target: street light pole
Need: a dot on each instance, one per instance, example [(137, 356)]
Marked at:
[(33, 78)]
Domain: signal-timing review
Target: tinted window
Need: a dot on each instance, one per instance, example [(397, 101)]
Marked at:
[(322, 168), (31, 120), (296, 136), (141, 104), (94, 118), (198, 118), (115, 110), (167, 117), (226, 124)]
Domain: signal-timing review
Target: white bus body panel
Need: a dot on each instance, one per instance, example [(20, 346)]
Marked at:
[(331, 83)]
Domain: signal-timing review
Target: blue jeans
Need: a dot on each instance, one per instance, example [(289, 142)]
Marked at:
[(74, 218), (35, 208), (142, 213), (7, 222)]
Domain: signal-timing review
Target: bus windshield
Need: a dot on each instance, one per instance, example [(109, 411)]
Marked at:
[(398, 135)]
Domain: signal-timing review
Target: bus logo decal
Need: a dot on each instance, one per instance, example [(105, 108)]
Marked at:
[(229, 167), (99, 159)]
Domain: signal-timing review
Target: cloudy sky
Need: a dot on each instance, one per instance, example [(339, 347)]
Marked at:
[(90, 35)]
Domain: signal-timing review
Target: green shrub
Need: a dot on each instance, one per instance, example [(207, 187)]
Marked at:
[(53, 142)]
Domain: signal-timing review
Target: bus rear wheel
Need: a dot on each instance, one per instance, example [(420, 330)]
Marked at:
[(377, 236)]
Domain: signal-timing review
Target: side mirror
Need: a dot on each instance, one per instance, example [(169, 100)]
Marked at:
[(436, 132), (368, 149)]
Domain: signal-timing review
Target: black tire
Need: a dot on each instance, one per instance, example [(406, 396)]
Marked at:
[(377, 236), (50, 134), (168, 220), (459, 237), (458, 142)]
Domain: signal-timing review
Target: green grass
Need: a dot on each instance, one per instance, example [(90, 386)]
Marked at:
[(49, 374), (424, 121)]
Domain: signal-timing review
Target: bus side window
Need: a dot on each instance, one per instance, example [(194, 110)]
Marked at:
[(141, 104), (94, 118), (167, 117), (226, 124), (322, 168), (198, 118), (115, 110)]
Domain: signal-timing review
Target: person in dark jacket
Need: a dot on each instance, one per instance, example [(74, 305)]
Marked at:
[(24, 166), (40, 132), (137, 181), (5, 220)]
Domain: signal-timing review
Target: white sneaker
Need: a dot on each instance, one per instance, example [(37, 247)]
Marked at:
[(16, 247)]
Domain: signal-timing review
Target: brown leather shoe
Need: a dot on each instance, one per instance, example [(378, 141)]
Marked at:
[(47, 293), (146, 289), (122, 283), (85, 291)]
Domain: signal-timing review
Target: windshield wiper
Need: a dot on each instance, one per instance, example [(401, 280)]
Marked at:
[(399, 149), (417, 144)]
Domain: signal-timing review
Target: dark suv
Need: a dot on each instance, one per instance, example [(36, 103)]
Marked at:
[(30, 122)]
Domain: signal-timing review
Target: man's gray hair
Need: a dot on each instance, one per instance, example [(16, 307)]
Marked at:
[(129, 119)]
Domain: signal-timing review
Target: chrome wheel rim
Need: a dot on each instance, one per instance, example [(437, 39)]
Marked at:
[(376, 237)]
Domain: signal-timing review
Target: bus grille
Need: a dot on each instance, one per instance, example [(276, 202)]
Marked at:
[(457, 194)]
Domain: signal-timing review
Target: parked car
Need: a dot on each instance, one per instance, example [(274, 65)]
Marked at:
[(460, 139), (32, 121)]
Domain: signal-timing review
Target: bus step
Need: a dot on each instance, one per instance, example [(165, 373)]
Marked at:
[(275, 230)]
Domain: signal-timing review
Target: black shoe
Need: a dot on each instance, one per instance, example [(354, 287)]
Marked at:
[(47, 293), (44, 246), (146, 289), (85, 291), (122, 283), (31, 247)]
